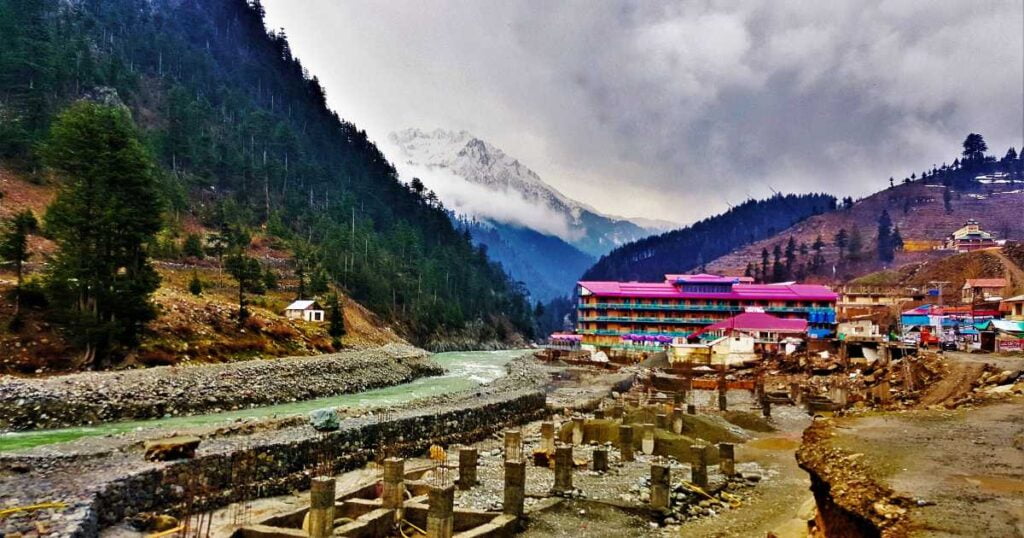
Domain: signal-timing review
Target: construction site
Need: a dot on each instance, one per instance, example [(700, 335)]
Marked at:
[(555, 447)]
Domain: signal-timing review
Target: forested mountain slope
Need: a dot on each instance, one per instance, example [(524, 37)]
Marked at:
[(244, 140), (689, 248)]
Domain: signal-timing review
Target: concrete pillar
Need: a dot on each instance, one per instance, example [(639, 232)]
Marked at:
[(766, 408), (547, 437), (515, 488), (393, 495), (677, 420), (626, 443), (440, 511), (723, 404), (794, 392), (727, 459), (691, 409), (699, 468), (660, 486), (577, 430), (467, 467), (647, 443), (600, 455), (679, 398), (617, 411), (321, 507), (661, 420), (513, 445), (599, 414), (563, 468)]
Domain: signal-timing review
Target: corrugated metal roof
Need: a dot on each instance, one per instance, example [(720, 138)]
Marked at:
[(666, 290), (300, 305), (759, 321)]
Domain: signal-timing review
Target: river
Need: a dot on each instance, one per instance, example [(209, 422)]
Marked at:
[(465, 369)]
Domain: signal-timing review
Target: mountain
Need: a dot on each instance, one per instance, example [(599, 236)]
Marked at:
[(548, 266), (687, 249), (925, 208), (245, 146), (480, 180)]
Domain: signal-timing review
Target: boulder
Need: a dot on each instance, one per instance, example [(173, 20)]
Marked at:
[(324, 420), (172, 448)]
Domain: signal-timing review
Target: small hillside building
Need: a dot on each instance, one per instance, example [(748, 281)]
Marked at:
[(305, 310), (977, 290), (1013, 308), (970, 237)]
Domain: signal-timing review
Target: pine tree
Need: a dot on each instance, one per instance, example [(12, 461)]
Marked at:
[(884, 241), (195, 286), (247, 273), (947, 198), (818, 261), (336, 319), (764, 264), (841, 241), (856, 243), (790, 256), (193, 246), (106, 211), (897, 239), (14, 248), (778, 270)]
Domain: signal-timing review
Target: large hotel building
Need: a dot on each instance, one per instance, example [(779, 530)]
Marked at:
[(634, 315)]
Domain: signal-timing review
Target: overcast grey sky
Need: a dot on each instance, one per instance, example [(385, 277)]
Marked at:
[(674, 109)]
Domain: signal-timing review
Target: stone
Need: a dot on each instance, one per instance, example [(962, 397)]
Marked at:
[(171, 448), (324, 420)]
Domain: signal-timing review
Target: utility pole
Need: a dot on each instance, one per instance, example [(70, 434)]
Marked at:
[(938, 329)]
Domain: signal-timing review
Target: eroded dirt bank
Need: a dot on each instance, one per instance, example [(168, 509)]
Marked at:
[(928, 472)]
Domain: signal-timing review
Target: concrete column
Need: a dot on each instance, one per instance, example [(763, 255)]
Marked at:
[(766, 408), (794, 392), (660, 488), (647, 443), (727, 459), (513, 445), (723, 404), (626, 443), (515, 488), (577, 430), (600, 459), (440, 511), (547, 437), (691, 409), (467, 467), (677, 420), (599, 414), (563, 468), (699, 468), (679, 398), (661, 420), (321, 507), (393, 496)]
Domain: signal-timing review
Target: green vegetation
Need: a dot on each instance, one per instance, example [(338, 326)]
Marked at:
[(14, 248), (107, 210), (243, 140)]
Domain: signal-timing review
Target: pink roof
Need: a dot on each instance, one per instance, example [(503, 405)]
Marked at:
[(759, 321), (740, 292), (702, 278)]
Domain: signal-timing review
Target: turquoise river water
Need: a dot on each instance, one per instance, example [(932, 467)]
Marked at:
[(465, 369)]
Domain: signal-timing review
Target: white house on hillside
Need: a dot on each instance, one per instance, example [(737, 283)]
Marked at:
[(305, 310)]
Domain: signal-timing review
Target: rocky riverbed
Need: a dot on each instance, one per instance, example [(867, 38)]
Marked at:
[(95, 397)]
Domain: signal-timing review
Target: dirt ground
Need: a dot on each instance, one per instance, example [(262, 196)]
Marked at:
[(961, 465)]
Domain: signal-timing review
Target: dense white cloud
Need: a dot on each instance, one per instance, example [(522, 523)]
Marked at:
[(675, 109)]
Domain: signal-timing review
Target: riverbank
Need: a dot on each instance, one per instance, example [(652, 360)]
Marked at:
[(96, 397), (111, 480)]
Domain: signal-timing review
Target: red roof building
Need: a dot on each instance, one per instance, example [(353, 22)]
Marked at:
[(612, 314)]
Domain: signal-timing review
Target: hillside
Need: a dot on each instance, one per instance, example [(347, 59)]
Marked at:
[(245, 142), (917, 209), (189, 328), (547, 265), (689, 248), (955, 269)]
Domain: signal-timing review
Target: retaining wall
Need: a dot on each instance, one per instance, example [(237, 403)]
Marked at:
[(284, 465)]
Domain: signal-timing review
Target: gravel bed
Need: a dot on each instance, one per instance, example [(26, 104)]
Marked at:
[(95, 397)]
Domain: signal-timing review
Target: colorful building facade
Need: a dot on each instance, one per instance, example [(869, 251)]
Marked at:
[(631, 316)]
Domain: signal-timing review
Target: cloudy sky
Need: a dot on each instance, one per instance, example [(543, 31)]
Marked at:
[(675, 109)]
